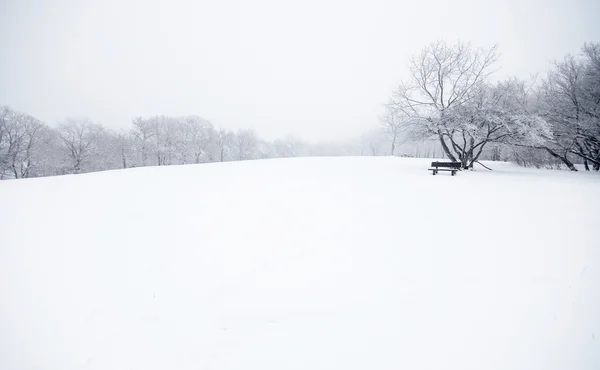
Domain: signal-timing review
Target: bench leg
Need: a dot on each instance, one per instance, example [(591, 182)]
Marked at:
[(453, 172)]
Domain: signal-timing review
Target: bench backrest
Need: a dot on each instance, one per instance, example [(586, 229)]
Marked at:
[(446, 164)]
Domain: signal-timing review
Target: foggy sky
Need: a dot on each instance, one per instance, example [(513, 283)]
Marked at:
[(317, 69)]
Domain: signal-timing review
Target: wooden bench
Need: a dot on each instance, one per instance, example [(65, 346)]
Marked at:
[(453, 167)]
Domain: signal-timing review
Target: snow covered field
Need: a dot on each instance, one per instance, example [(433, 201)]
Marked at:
[(320, 263)]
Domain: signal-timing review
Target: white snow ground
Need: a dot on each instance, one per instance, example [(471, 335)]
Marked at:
[(321, 263)]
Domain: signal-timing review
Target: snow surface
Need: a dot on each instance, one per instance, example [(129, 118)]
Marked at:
[(317, 263)]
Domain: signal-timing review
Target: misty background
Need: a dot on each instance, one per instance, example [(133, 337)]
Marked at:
[(317, 70)]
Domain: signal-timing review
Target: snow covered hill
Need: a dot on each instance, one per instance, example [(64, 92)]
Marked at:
[(320, 263)]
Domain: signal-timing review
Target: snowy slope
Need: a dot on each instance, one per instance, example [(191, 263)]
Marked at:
[(321, 263)]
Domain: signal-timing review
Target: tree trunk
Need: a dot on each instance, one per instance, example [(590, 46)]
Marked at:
[(585, 161), (446, 149), (475, 158), (563, 158), (596, 165), (470, 158), (13, 162), (25, 168), (14, 168), (465, 162), (496, 154), (144, 155)]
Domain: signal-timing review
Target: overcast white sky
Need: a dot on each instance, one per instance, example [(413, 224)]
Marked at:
[(317, 69)]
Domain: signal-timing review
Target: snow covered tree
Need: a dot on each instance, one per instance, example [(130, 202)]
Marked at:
[(245, 144), (198, 134), (588, 138), (13, 134), (143, 132), (20, 141), (443, 77), (222, 143), (124, 144), (450, 98), (24, 161), (78, 138), (393, 126), (48, 157), (569, 100), (165, 139), (495, 114), (265, 150), (109, 151)]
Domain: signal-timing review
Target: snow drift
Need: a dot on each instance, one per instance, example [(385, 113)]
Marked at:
[(326, 263)]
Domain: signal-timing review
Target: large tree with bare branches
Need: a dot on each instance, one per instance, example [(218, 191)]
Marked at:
[(570, 101), (443, 78), (449, 97)]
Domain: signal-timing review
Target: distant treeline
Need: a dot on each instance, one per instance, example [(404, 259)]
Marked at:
[(448, 109)]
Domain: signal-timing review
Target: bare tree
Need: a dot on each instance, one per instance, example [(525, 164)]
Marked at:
[(78, 138), (19, 137), (222, 141), (24, 163), (198, 136), (587, 97), (124, 145), (442, 77), (161, 140), (393, 126), (47, 156), (570, 101), (497, 114), (5, 116), (143, 132), (245, 144), (12, 135)]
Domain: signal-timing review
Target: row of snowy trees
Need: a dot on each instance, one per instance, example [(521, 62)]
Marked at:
[(31, 148), (449, 108), (450, 97)]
